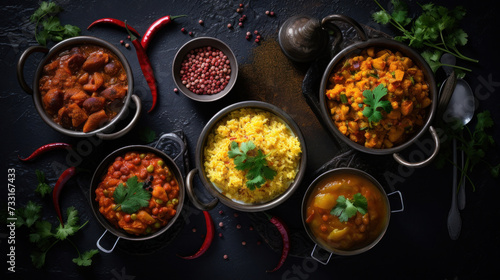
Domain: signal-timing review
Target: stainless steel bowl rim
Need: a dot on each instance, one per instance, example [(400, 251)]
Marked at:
[(101, 171), (66, 44), (344, 170), (208, 129), (394, 46)]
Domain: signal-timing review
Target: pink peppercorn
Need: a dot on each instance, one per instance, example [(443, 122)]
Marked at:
[(229, 25), (257, 40), (267, 12), (243, 243), (271, 14), (241, 4), (200, 22), (221, 224), (127, 45), (256, 32), (226, 257), (190, 33), (240, 24), (238, 226), (183, 30), (121, 42)]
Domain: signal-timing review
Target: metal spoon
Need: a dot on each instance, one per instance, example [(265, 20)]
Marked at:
[(462, 106)]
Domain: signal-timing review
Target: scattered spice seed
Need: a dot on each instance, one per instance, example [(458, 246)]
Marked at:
[(257, 40), (220, 234), (235, 215), (243, 243), (221, 212), (200, 22), (258, 37), (271, 14), (226, 257), (183, 30), (241, 4), (250, 228), (249, 34), (127, 45), (239, 10), (190, 33), (240, 24), (176, 90), (256, 32), (194, 229), (267, 12), (229, 25), (121, 42), (221, 224), (247, 37), (238, 226), (128, 37)]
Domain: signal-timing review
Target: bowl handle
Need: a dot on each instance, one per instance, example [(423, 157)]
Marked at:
[(129, 127), (400, 198), (106, 250), (317, 259), (20, 66), (192, 196), (328, 24), (423, 163)]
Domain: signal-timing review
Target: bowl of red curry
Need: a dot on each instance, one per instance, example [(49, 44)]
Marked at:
[(136, 193), (82, 87)]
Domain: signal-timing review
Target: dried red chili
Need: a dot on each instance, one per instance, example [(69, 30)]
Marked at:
[(145, 64), (208, 238), (113, 21), (154, 27), (45, 148), (284, 236), (65, 176)]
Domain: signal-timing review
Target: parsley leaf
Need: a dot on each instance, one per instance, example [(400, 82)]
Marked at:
[(345, 208), (42, 188), (48, 26), (374, 102), (85, 259), (131, 197), (245, 158)]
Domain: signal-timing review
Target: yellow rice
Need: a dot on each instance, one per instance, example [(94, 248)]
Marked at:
[(269, 134)]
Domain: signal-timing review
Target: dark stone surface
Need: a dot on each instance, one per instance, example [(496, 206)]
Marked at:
[(416, 244)]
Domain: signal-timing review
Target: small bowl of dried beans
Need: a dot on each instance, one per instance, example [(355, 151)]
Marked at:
[(205, 69)]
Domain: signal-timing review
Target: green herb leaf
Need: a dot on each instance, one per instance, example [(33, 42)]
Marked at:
[(85, 259), (374, 102), (70, 227), (28, 215), (43, 229), (132, 197), (42, 188), (48, 26), (257, 169), (38, 258), (343, 98), (345, 208)]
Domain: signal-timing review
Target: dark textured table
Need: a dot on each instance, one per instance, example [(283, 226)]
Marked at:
[(416, 244)]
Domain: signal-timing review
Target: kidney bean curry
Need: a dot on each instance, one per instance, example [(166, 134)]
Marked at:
[(83, 88)]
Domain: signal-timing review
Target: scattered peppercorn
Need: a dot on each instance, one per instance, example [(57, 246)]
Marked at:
[(243, 243), (176, 90), (249, 34), (238, 226), (241, 5), (229, 25), (221, 212), (240, 24), (194, 229), (235, 215), (127, 45), (267, 12), (121, 42), (226, 257), (257, 40), (183, 30), (250, 228), (221, 224), (258, 37), (220, 234), (190, 33), (256, 32), (239, 10), (200, 22), (128, 37), (271, 14), (247, 37)]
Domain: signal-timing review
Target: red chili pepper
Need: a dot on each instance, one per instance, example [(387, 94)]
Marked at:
[(145, 64), (154, 27), (113, 21), (46, 148), (208, 238), (284, 236), (68, 173)]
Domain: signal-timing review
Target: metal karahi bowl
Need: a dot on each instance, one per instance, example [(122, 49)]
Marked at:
[(109, 130), (102, 170), (380, 43), (214, 191), (200, 43), (339, 172)]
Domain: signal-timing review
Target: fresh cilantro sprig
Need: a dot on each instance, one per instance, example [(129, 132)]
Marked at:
[(346, 208), (374, 102), (256, 165), (45, 237), (42, 188), (476, 145), (131, 197), (435, 31), (48, 27)]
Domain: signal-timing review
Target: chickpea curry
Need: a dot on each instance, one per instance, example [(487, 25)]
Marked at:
[(345, 233), (407, 97), (83, 88), (154, 177)]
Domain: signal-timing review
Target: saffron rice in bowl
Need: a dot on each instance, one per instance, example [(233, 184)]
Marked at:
[(245, 135)]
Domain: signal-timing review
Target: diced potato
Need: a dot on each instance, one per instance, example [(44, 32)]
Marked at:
[(325, 201), (338, 234)]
